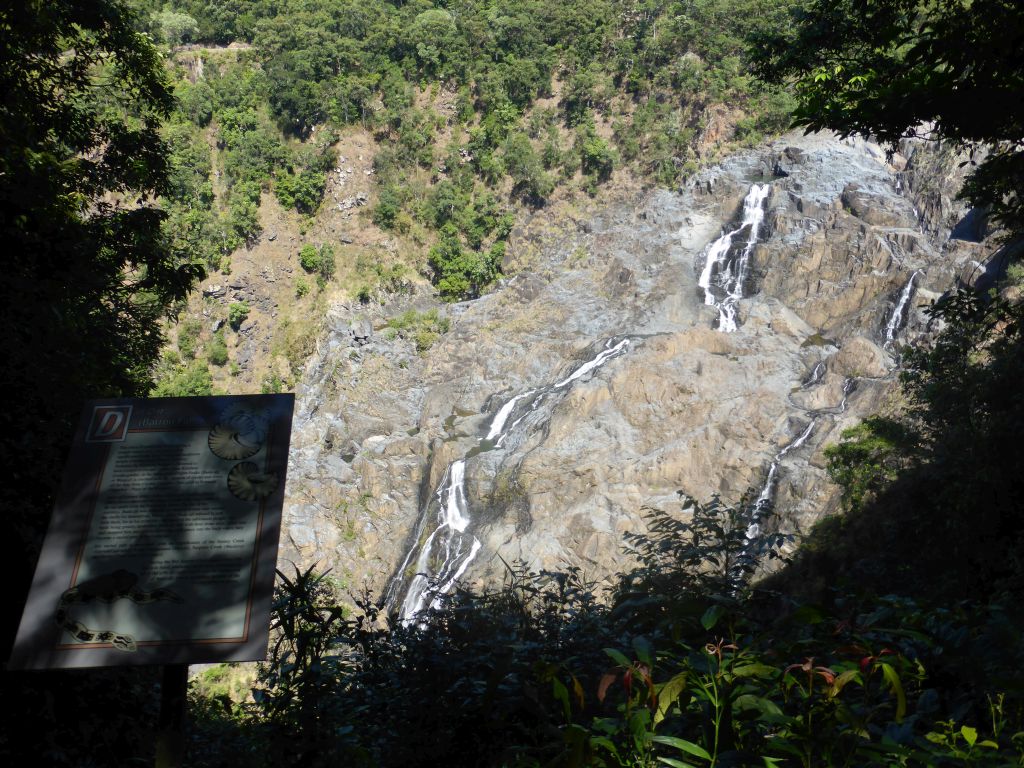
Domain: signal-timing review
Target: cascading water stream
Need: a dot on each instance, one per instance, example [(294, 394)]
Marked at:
[(848, 386), (723, 278), (892, 328), (450, 545), (763, 498), (449, 542), (502, 416), (816, 376)]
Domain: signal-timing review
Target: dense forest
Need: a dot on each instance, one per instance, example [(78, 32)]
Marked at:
[(476, 112), (477, 107), (893, 638)]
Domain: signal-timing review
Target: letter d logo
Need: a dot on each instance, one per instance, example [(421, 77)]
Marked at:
[(109, 423)]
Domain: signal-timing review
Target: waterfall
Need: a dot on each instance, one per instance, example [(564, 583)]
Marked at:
[(896, 319), (602, 357), (816, 376), (502, 416), (848, 386), (763, 498), (723, 278), (450, 545)]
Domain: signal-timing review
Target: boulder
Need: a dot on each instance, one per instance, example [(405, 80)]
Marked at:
[(361, 330), (860, 357)]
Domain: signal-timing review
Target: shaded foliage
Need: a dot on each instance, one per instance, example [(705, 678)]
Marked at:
[(940, 482), (88, 277), (687, 664)]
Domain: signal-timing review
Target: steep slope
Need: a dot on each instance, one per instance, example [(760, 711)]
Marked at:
[(626, 391)]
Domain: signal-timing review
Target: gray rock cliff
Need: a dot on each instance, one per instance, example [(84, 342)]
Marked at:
[(681, 406)]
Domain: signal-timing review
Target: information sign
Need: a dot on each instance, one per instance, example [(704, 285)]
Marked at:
[(163, 541)]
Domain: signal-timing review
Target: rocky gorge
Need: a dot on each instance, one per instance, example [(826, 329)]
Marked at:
[(598, 380)]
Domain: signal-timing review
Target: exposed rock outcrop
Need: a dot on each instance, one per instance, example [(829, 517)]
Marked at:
[(684, 407)]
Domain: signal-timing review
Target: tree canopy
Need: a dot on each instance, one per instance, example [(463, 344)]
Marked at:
[(87, 273), (899, 68)]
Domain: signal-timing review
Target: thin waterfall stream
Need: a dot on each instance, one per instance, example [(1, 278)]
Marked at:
[(448, 551), (768, 491), (892, 328)]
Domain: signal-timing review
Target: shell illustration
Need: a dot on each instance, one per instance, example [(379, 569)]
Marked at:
[(247, 421), (227, 442), (248, 483), (239, 433)]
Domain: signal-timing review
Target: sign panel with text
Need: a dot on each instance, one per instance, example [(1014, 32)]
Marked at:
[(163, 541)]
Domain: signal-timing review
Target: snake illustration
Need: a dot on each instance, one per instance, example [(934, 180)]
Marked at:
[(106, 588)]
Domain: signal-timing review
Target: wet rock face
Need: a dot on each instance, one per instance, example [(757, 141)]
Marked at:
[(685, 407)]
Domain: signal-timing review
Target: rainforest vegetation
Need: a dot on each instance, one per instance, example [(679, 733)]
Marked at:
[(476, 112), (477, 108), (893, 638)]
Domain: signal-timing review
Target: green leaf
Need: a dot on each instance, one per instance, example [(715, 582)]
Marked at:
[(969, 734), (618, 657), (893, 678), (711, 616), (850, 675), (684, 745), (754, 669), (675, 763), (605, 743), (748, 701), (562, 694), (643, 649), (669, 695)]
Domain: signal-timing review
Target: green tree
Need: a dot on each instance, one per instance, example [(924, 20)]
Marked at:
[(869, 458), (189, 166), (88, 278), (525, 168), (309, 258), (460, 273), (86, 281), (238, 311), (597, 159), (188, 337), (327, 266), (302, 191), (217, 352), (175, 28), (440, 49), (892, 67), (389, 205), (196, 101), (191, 380)]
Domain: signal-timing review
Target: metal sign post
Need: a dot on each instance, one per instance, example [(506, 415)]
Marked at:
[(170, 741)]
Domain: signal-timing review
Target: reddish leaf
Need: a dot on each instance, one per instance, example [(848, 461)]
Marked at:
[(602, 688)]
